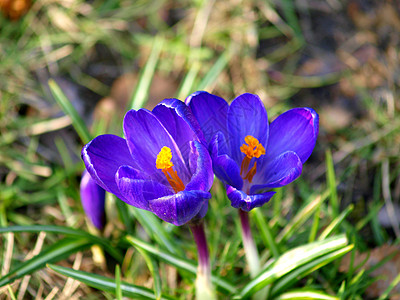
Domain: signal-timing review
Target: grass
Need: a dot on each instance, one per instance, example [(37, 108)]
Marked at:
[(59, 59)]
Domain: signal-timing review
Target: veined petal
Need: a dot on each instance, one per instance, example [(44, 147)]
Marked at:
[(145, 137), (201, 168), (179, 208), (279, 172), (137, 190), (210, 111), (92, 198), (246, 116), (225, 168), (103, 156), (179, 121), (240, 199), (295, 130)]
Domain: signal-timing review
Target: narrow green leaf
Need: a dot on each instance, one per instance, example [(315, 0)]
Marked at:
[(315, 225), (188, 82), (336, 222), (118, 291), (139, 97), (179, 263), (214, 72), (331, 182), (69, 110), (305, 294), (266, 232), (293, 277), (153, 268), (56, 252), (71, 232), (301, 217), (106, 284), (291, 260), (153, 227)]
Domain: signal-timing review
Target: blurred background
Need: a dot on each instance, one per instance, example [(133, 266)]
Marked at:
[(340, 57)]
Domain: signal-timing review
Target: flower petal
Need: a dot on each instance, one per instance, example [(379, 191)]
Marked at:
[(225, 168), (210, 111), (246, 116), (103, 156), (240, 199), (92, 198), (279, 172), (137, 190), (201, 168), (145, 137), (295, 130), (180, 208), (180, 123)]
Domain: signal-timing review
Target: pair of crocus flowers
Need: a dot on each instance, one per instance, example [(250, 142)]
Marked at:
[(167, 161)]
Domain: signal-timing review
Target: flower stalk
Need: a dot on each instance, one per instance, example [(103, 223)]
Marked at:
[(249, 245), (204, 287), (251, 252)]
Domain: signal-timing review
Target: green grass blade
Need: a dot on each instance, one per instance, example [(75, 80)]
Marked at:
[(214, 72), (188, 82), (301, 217), (392, 285), (291, 260), (106, 284), (335, 223), (153, 268), (118, 291), (293, 277), (179, 263), (70, 232), (266, 232), (305, 294), (56, 252), (140, 96), (153, 227), (70, 111), (331, 182)]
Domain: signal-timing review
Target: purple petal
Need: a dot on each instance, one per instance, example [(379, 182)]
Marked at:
[(225, 168), (240, 199), (180, 123), (177, 117), (210, 111), (201, 168), (279, 172), (180, 208), (295, 130), (92, 198), (246, 116), (146, 136), (103, 156), (137, 190)]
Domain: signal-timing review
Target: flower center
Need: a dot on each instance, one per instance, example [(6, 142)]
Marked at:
[(252, 149), (164, 163)]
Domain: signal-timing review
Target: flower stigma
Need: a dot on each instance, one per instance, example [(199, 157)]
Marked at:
[(252, 149), (164, 163)]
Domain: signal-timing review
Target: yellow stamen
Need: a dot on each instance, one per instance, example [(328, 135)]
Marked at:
[(164, 163), (252, 149)]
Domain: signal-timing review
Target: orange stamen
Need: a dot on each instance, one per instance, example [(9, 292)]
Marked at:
[(164, 163), (252, 149)]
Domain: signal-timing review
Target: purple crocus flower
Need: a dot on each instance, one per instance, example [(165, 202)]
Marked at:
[(249, 155), (162, 166), (92, 198)]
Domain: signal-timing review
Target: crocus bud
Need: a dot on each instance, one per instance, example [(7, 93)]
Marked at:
[(92, 198)]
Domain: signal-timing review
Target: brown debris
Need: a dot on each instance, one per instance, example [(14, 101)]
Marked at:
[(386, 272)]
